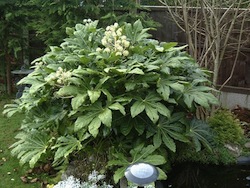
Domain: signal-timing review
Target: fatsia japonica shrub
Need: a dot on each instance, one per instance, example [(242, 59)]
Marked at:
[(111, 92)]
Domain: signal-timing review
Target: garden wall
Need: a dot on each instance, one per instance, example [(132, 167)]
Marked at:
[(232, 100)]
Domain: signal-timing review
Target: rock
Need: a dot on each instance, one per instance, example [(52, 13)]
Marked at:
[(234, 149), (247, 145), (243, 160)]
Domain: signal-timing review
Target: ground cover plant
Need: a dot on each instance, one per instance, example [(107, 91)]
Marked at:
[(112, 96)]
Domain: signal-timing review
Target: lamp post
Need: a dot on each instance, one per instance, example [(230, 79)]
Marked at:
[(141, 173)]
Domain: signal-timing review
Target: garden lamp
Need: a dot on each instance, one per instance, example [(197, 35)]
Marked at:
[(141, 173)]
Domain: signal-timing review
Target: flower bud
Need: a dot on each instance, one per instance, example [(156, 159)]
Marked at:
[(123, 37), (98, 49), (106, 50), (126, 43), (125, 52), (116, 25), (118, 53), (119, 48), (104, 42)]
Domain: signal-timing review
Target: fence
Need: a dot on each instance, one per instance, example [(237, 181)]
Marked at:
[(240, 79)]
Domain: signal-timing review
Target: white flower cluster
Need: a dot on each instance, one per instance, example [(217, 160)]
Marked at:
[(38, 65), (87, 21), (93, 182), (60, 76), (115, 41)]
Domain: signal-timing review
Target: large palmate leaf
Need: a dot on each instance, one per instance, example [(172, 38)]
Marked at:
[(96, 115), (200, 133), (151, 105), (168, 130), (35, 83), (136, 32), (30, 146), (200, 95), (65, 145), (10, 109), (166, 85)]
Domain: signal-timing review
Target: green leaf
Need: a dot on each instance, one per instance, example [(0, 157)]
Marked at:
[(137, 108), (162, 174), (126, 123), (165, 70), (152, 113), (136, 71), (136, 33), (157, 139), (77, 101), (75, 81), (155, 160), (10, 109), (200, 133), (177, 86), (170, 129), (108, 94), (83, 121), (36, 86), (201, 100), (188, 99), (118, 106), (130, 86), (68, 91), (140, 152), (211, 98), (119, 173), (169, 142), (79, 26), (102, 81), (120, 160), (71, 59), (139, 127), (162, 109), (94, 95), (152, 67), (31, 146), (106, 117), (159, 48), (163, 89), (168, 45), (33, 81), (94, 126), (65, 146), (125, 129)]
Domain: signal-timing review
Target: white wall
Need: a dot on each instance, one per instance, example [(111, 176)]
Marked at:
[(231, 100)]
